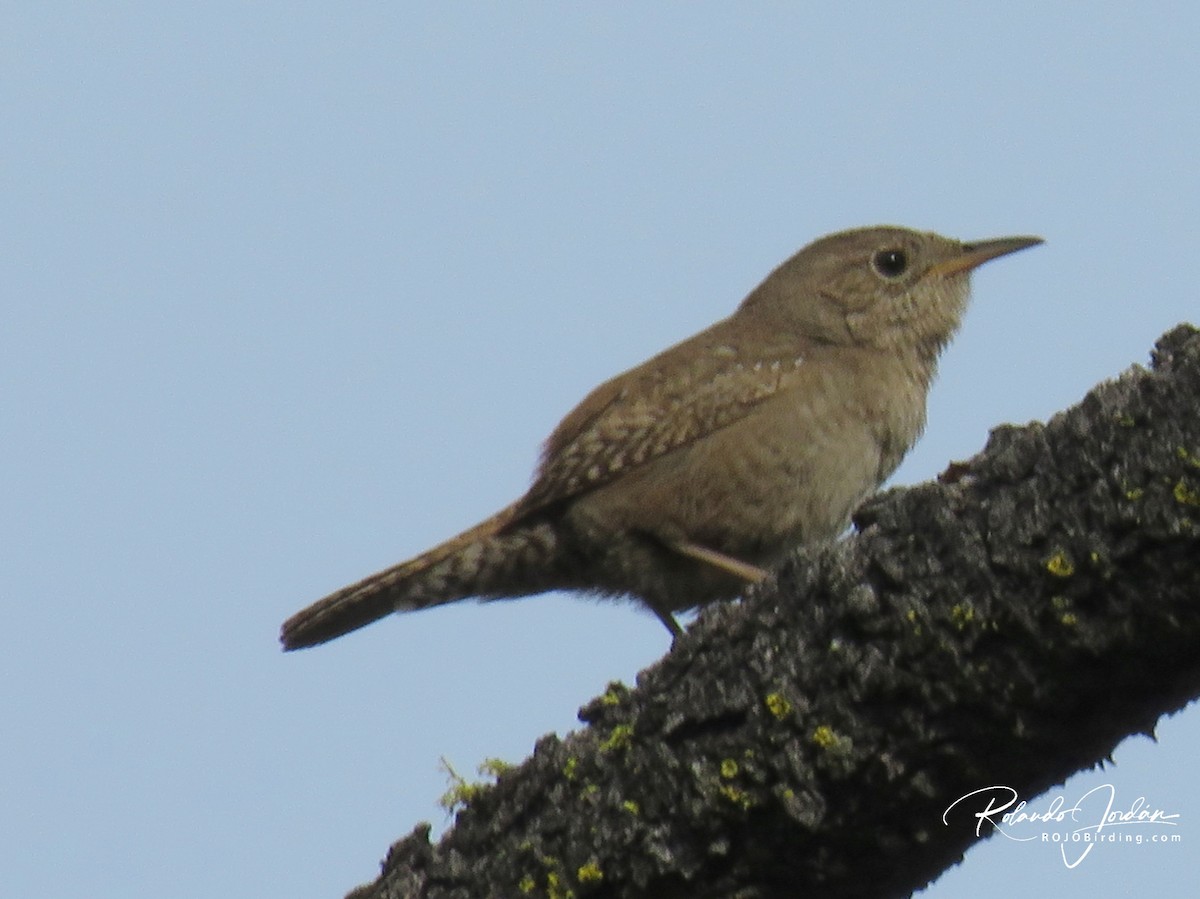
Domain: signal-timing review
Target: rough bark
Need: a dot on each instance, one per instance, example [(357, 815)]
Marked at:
[(1010, 624)]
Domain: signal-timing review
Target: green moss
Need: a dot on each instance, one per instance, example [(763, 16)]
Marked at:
[(460, 792), (570, 767), (494, 768)]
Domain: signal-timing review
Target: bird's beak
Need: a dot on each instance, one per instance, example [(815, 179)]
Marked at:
[(976, 254)]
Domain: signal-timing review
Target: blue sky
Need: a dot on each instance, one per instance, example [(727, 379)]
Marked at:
[(293, 291)]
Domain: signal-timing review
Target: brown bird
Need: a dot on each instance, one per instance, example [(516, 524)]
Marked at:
[(683, 480)]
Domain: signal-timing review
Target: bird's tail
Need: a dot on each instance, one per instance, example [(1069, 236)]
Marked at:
[(491, 560)]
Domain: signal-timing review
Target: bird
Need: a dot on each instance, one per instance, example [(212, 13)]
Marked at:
[(692, 476)]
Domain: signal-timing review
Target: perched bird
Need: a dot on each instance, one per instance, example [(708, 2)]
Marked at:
[(690, 476)]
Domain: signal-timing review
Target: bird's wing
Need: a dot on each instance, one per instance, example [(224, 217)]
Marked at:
[(678, 397)]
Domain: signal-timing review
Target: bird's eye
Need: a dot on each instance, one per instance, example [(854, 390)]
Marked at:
[(890, 263)]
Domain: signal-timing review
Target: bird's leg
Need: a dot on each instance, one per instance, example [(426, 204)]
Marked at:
[(750, 573), (669, 623)]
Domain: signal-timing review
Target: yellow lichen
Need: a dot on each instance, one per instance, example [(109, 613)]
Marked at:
[(620, 738), (1185, 494), (555, 889), (632, 807), (556, 886), (778, 705), (527, 884), (1060, 565), (736, 796), (613, 695), (825, 736), (568, 769), (590, 872), (962, 614), (729, 768)]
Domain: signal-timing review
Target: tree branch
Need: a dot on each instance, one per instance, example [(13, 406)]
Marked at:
[(1010, 625)]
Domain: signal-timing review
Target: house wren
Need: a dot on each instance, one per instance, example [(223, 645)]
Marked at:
[(683, 480)]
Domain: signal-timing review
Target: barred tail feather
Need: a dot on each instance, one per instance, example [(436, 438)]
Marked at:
[(487, 561)]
